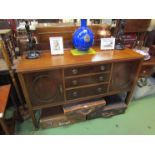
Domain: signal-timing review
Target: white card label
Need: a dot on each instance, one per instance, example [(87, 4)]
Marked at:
[(107, 43), (56, 45)]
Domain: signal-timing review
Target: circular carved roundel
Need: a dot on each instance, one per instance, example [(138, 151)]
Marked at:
[(45, 88)]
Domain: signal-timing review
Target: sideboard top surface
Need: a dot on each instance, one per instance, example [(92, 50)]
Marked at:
[(47, 61)]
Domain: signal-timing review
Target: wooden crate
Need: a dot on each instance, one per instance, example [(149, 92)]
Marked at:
[(83, 110), (54, 117), (115, 105)]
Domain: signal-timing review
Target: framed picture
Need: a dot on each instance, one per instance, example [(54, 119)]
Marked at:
[(107, 43), (56, 45)]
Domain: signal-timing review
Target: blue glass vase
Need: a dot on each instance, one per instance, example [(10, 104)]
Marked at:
[(83, 37)]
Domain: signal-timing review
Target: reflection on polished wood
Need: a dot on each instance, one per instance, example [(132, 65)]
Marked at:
[(4, 94), (47, 61)]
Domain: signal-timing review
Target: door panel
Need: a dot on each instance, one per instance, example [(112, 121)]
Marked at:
[(45, 87), (123, 75)]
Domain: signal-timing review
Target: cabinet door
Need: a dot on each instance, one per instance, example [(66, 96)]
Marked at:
[(123, 75), (45, 87)]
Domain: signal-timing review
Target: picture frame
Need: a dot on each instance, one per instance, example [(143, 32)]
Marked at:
[(56, 45), (107, 43)]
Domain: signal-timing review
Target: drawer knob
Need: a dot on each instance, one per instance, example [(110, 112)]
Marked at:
[(102, 68), (99, 89), (74, 82), (75, 94), (101, 78), (74, 71)]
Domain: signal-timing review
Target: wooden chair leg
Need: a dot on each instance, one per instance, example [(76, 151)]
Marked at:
[(4, 127), (19, 117)]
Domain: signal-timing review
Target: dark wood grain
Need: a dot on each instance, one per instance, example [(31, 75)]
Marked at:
[(45, 87), (44, 31), (123, 75), (137, 25), (83, 109), (54, 117), (114, 109)]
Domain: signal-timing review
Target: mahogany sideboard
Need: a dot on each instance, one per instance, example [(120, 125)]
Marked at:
[(57, 81)]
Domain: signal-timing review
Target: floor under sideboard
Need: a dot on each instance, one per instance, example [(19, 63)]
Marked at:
[(139, 119)]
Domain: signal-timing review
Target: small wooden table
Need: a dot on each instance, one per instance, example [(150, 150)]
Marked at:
[(4, 95), (148, 67)]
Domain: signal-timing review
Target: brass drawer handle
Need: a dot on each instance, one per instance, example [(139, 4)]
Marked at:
[(75, 94), (99, 89), (102, 68), (74, 82), (74, 71), (101, 78)]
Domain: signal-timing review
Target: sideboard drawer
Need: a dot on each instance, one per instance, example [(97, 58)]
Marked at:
[(87, 69), (85, 92), (79, 81)]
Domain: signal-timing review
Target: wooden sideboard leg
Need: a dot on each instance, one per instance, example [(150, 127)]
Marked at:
[(18, 114), (28, 102), (34, 119), (128, 97), (4, 127)]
